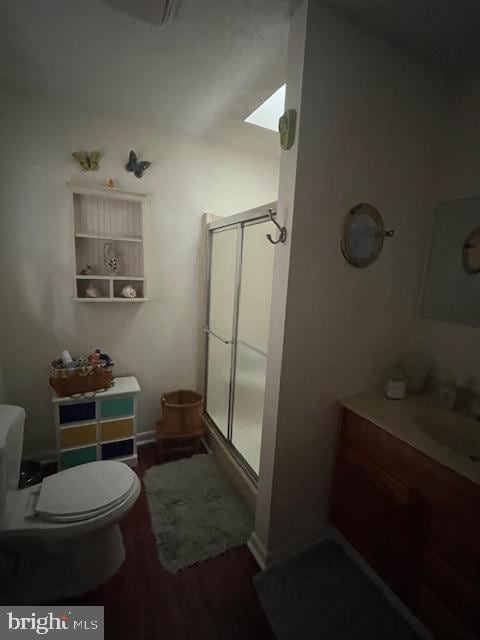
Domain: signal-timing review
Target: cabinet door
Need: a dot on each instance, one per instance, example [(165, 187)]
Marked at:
[(437, 617), (378, 515), (448, 589)]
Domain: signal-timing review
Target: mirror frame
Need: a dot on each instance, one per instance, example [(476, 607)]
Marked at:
[(467, 246), (362, 209)]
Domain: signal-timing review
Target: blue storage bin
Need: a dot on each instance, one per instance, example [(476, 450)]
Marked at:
[(119, 449), (77, 412)]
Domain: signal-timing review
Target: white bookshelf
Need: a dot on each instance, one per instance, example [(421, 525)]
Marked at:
[(114, 217)]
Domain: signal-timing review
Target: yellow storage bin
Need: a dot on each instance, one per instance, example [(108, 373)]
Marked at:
[(115, 429), (77, 436)]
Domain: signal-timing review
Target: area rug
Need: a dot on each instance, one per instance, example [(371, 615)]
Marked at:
[(323, 595), (196, 513)]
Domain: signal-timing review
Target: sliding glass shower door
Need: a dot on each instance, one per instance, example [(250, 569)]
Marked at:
[(220, 330), (241, 269)]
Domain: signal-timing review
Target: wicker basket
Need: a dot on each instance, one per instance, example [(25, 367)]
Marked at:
[(80, 380), (182, 413)]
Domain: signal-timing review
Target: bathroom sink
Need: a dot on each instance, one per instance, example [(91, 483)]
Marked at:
[(451, 430)]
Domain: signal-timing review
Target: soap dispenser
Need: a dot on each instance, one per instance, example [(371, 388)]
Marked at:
[(396, 384), (446, 389)]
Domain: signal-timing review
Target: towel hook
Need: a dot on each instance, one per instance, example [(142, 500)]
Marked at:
[(282, 230)]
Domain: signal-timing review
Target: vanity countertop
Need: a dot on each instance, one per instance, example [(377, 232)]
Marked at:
[(400, 419)]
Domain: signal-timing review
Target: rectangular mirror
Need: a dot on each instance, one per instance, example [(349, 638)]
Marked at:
[(452, 285)]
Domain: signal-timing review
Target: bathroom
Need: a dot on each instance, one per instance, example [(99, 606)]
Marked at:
[(334, 330)]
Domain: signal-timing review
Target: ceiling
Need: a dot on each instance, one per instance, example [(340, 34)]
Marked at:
[(212, 65), (209, 67), (442, 33)]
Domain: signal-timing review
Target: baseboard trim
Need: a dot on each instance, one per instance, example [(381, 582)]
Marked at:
[(290, 549), (257, 550), (45, 457), (145, 437), (207, 446), (267, 558)]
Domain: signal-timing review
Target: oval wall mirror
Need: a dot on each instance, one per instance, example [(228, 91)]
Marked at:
[(471, 252), (363, 233)]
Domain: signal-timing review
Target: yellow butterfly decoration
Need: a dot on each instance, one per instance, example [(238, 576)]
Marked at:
[(88, 160)]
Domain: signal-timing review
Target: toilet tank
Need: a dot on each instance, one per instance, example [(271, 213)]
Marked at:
[(12, 421)]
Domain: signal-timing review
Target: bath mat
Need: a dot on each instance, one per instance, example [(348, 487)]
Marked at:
[(323, 595), (196, 513)]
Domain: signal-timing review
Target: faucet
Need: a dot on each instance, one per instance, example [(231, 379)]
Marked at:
[(467, 403), (474, 406)]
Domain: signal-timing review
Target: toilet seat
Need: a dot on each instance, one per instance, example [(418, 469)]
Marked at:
[(85, 491)]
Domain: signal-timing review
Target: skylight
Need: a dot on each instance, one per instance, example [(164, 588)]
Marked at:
[(269, 112)]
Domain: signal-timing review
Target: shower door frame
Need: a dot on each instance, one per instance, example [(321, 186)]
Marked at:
[(237, 221)]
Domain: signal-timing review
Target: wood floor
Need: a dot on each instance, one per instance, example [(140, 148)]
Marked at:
[(212, 600)]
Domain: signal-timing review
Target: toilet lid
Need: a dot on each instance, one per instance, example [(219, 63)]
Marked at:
[(84, 491)]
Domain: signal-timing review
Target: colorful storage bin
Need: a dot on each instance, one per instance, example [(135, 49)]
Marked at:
[(120, 449), (77, 456), (115, 429), (117, 407), (78, 436), (76, 412)]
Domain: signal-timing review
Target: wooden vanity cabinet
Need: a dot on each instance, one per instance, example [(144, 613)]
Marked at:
[(416, 522), (377, 514)]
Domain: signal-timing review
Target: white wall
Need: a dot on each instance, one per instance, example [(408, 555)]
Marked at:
[(369, 128), (160, 341), (260, 541), (3, 392), (456, 346)]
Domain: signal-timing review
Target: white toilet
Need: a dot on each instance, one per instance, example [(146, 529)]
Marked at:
[(58, 538)]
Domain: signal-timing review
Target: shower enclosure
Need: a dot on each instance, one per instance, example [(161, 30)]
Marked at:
[(240, 260)]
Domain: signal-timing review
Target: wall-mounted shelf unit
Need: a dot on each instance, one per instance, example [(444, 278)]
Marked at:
[(108, 222)]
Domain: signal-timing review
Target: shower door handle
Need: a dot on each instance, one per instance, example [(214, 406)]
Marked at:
[(211, 333)]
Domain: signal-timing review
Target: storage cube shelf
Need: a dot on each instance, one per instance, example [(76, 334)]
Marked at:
[(108, 216), (99, 428)]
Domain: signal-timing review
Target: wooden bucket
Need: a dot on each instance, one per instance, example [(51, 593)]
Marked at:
[(182, 413)]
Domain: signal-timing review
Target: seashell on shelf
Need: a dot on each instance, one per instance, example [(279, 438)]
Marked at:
[(92, 292), (129, 292)]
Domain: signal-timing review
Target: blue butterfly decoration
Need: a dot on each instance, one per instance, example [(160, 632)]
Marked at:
[(135, 165)]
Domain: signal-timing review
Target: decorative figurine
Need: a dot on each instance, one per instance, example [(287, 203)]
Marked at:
[(110, 184), (94, 358), (286, 129), (88, 160), (137, 166), (87, 271), (129, 292), (111, 262), (106, 358)]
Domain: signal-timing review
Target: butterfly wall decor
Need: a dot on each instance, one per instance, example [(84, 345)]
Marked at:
[(88, 160), (135, 165)]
